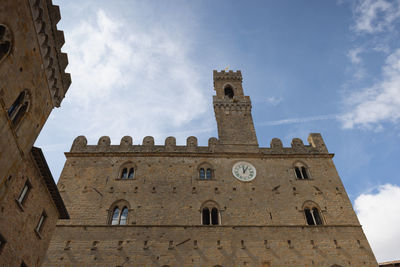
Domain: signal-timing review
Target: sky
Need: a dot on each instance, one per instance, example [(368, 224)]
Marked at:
[(144, 68)]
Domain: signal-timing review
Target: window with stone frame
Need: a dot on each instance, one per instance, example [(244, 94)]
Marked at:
[(5, 41), (24, 193), (42, 219), (205, 171), (127, 171), (19, 108), (210, 214), (312, 214), (119, 213), (301, 171)]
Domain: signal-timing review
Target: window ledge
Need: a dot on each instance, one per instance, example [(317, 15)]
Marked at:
[(198, 179), (308, 179), (39, 235), (19, 204), (127, 179)]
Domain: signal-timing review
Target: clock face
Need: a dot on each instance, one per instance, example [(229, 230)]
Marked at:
[(244, 171)]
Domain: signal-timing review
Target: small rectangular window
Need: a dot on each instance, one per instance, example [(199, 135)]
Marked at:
[(23, 264), (24, 193), (41, 222), (2, 243)]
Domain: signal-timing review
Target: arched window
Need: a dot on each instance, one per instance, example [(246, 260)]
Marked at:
[(124, 173), (5, 41), (304, 172), (312, 214), (205, 171), (115, 216), (214, 216), (18, 109), (206, 216), (127, 171), (124, 216), (208, 174), (228, 91), (131, 173), (210, 214), (301, 171), (119, 213), (202, 174), (12, 110), (316, 216)]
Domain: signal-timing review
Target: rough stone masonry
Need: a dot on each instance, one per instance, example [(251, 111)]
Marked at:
[(231, 203)]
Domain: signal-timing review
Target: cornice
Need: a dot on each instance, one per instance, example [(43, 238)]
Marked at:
[(194, 155), (313, 227), (45, 17)]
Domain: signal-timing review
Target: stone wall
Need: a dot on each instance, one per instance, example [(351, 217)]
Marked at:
[(18, 222), (34, 63), (31, 61), (165, 199), (209, 246)]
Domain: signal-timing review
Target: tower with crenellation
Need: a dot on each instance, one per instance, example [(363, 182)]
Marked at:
[(230, 203), (33, 82)]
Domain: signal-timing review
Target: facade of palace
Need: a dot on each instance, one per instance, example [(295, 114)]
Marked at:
[(231, 203)]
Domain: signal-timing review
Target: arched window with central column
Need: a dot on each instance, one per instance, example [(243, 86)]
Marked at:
[(312, 213), (127, 171), (210, 213), (206, 171), (118, 213), (19, 107), (301, 171)]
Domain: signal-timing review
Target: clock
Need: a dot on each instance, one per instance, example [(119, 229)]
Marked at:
[(244, 171)]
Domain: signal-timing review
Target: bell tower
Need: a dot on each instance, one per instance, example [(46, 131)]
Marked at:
[(233, 110)]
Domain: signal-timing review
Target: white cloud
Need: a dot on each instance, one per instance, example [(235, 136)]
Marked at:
[(373, 16), (299, 120), (274, 100), (130, 79), (379, 214), (379, 103), (353, 55), (355, 58)]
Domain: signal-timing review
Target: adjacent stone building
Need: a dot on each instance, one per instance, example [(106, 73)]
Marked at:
[(32, 82), (389, 264), (231, 203)]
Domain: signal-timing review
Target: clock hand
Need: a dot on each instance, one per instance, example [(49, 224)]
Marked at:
[(245, 169)]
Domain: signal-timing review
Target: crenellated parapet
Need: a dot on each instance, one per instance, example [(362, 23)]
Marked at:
[(227, 75), (316, 146), (45, 17)]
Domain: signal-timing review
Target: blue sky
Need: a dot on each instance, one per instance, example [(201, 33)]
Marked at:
[(145, 68)]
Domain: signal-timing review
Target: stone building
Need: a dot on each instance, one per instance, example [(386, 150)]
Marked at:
[(32, 82), (389, 264), (231, 203)]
